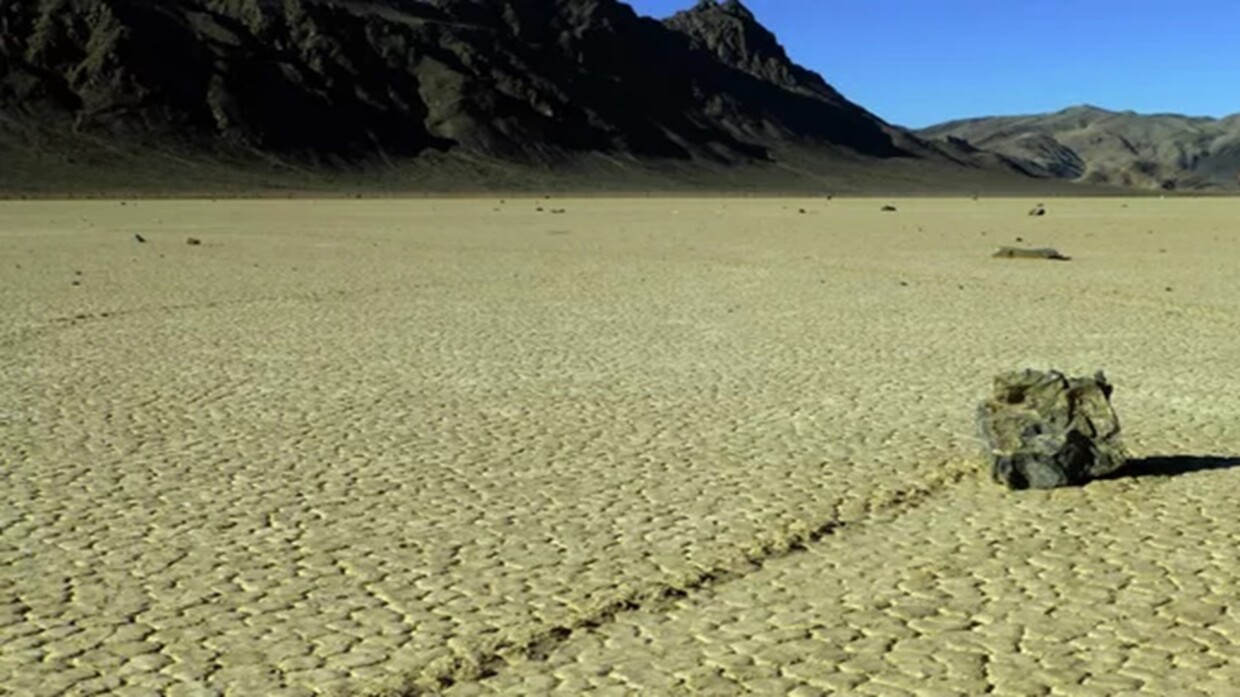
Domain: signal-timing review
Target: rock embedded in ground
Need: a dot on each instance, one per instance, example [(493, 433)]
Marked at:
[(1027, 253), (1046, 430), (1038, 211)]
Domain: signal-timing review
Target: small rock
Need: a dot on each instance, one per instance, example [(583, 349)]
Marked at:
[(888, 209), (193, 242), (1036, 253), (139, 238), (1038, 210), (1045, 430)]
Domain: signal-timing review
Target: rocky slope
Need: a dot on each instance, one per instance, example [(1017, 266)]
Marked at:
[(1089, 144), (314, 86)]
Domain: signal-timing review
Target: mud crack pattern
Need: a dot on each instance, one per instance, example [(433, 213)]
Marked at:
[(428, 445)]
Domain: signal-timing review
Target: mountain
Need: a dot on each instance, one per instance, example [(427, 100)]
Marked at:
[(433, 93), (1088, 144)]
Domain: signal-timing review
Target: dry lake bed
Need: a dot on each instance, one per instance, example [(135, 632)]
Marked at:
[(639, 446)]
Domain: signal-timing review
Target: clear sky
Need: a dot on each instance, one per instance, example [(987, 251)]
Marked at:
[(920, 62)]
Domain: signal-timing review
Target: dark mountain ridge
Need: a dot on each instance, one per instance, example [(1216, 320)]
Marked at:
[(324, 86)]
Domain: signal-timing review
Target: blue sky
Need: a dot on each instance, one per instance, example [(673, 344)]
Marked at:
[(919, 62)]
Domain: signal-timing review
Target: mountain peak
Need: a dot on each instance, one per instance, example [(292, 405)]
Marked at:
[(1086, 109), (732, 7), (735, 36)]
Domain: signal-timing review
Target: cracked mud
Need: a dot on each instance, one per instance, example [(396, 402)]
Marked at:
[(695, 446)]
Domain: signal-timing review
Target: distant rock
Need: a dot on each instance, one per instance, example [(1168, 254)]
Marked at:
[(139, 238), (888, 209), (1035, 253), (1045, 430), (1038, 211), (193, 242)]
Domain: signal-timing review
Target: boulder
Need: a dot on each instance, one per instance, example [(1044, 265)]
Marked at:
[(1046, 430)]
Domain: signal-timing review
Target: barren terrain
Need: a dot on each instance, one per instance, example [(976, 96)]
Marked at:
[(656, 446)]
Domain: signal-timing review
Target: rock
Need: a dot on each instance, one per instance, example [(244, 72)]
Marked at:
[(1035, 253), (139, 238), (888, 209), (1046, 430), (1038, 210), (193, 242)]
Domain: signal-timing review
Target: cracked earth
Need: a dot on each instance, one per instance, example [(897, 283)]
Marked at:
[(648, 446)]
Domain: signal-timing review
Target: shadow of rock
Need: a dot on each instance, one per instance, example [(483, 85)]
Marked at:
[(1172, 465)]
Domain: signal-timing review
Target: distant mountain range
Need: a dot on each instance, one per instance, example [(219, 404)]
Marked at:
[(468, 94), (1088, 144)]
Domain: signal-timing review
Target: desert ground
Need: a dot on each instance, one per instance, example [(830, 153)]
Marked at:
[(641, 446)]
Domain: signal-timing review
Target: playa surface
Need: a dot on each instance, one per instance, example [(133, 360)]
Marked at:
[(649, 446)]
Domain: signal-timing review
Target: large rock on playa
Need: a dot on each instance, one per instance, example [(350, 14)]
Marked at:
[(1047, 430)]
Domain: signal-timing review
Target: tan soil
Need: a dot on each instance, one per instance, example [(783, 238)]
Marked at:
[(651, 446)]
